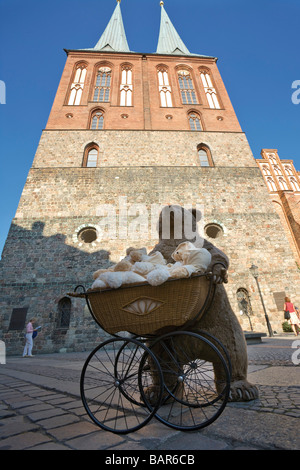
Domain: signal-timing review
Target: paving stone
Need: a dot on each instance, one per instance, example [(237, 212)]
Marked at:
[(24, 441), (96, 441), (23, 404), (197, 442), (72, 431), (44, 414), (57, 421), (50, 446), (16, 425)]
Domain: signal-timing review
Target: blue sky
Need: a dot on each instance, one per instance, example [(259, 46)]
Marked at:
[(257, 43)]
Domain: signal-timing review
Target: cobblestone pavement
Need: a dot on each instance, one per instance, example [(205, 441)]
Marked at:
[(40, 408)]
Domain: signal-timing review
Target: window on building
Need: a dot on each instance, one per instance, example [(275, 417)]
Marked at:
[(271, 184), (64, 312), (18, 318), (103, 83), (266, 170), (204, 155), (283, 184), (77, 86), (272, 159), (126, 88), (188, 93), (210, 91), (97, 121), (294, 183), (91, 156), (288, 170), (195, 123), (213, 230), (277, 170), (165, 91), (87, 235)]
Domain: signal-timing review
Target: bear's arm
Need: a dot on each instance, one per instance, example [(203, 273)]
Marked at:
[(217, 256)]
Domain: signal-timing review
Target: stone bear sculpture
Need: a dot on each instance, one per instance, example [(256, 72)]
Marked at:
[(219, 320)]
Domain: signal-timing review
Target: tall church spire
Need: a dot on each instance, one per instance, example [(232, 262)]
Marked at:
[(169, 41), (114, 37)]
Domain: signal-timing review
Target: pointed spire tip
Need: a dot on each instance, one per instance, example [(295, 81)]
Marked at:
[(161, 3)]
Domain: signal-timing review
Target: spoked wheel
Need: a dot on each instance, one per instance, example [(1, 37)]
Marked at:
[(112, 382), (196, 380)]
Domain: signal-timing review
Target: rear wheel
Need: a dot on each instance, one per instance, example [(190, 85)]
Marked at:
[(196, 380)]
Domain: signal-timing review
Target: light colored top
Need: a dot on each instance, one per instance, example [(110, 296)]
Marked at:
[(29, 328)]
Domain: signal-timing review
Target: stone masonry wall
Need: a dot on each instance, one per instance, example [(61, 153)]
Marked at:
[(142, 148)]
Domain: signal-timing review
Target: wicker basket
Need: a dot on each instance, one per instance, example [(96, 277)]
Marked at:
[(144, 309)]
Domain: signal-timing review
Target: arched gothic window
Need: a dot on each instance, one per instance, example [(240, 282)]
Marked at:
[(90, 157), (97, 121), (266, 170), (204, 154), (271, 184), (272, 159), (277, 170), (210, 91), (195, 122), (126, 87), (77, 86), (294, 183), (186, 86), (288, 170), (282, 183), (165, 91), (102, 87), (64, 312)]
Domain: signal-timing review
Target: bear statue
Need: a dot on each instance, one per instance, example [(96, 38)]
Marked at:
[(220, 320)]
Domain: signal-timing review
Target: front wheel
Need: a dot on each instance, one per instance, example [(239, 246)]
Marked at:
[(112, 382)]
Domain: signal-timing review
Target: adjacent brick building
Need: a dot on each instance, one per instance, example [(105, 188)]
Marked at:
[(127, 132), (283, 183)]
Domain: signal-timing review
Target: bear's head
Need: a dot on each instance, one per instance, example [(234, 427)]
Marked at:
[(178, 224)]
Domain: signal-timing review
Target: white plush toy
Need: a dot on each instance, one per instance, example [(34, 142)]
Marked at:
[(116, 279), (149, 263), (189, 260), (158, 275)]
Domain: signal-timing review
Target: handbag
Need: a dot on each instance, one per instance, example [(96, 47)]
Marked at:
[(287, 315)]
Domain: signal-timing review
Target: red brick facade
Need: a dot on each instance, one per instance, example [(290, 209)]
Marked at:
[(146, 112)]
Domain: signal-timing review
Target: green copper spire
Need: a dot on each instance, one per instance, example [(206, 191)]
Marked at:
[(169, 41), (114, 37)]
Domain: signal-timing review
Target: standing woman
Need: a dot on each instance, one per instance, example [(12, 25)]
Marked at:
[(29, 341), (293, 320)]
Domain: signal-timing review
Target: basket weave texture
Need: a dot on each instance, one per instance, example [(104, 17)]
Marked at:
[(144, 309)]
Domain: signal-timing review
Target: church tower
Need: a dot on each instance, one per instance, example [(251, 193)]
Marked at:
[(129, 131)]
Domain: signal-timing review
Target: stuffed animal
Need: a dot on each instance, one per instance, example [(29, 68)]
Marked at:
[(189, 260), (120, 273), (116, 279), (132, 255), (148, 263), (219, 320)]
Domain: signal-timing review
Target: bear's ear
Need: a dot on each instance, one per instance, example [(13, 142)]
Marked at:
[(196, 214)]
